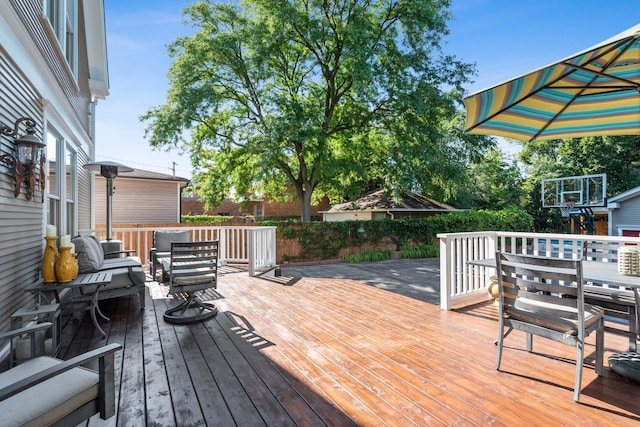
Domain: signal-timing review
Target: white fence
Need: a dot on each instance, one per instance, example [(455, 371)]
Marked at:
[(254, 246), (459, 280)]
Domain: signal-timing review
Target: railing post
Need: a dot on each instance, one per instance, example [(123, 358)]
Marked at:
[(251, 251), (222, 245), (445, 272)]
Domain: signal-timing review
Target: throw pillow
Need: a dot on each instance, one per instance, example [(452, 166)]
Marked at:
[(90, 254)]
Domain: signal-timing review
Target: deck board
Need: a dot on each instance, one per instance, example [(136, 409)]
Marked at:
[(310, 352)]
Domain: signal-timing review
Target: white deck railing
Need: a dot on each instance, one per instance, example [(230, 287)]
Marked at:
[(459, 280), (254, 246)]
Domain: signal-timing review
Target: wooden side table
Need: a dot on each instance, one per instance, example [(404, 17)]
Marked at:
[(41, 313)]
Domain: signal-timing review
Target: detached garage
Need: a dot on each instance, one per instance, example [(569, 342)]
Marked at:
[(624, 213), (379, 205)]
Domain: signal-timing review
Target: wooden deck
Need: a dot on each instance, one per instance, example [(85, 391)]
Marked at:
[(313, 352)]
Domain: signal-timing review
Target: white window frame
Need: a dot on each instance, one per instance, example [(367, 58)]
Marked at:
[(62, 209), (61, 17)]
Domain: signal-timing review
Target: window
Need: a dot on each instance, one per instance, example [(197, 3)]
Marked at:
[(63, 17), (53, 187), (71, 166), (62, 184)]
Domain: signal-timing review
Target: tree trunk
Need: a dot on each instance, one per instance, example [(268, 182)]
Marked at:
[(305, 202)]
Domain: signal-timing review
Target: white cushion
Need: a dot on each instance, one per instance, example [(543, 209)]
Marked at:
[(50, 400)]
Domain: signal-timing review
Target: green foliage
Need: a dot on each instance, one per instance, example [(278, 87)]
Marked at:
[(327, 96), (325, 240), (617, 156), (494, 183), (424, 251), (205, 219), (368, 256)]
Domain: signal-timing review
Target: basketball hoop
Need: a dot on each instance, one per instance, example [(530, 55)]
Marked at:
[(566, 208)]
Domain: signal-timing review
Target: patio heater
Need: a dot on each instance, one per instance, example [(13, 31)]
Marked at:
[(110, 171)]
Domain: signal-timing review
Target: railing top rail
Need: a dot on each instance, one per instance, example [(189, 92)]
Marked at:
[(174, 227), (471, 234), (573, 237), (553, 236)]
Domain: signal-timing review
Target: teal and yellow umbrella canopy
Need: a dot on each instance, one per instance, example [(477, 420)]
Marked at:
[(593, 93)]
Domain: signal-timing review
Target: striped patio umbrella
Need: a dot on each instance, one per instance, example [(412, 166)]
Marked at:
[(593, 93)]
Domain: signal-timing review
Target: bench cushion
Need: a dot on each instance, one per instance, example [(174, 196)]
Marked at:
[(50, 400)]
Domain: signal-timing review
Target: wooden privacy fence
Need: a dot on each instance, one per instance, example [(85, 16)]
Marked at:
[(254, 246)]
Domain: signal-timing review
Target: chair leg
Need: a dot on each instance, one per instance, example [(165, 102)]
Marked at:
[(501, 336), (600, 348), (579, 362), (190, 310), (633, 328), (529, 342)]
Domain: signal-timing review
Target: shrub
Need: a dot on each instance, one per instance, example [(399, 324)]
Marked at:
[(367, 256), (325, 240), (424, 251)]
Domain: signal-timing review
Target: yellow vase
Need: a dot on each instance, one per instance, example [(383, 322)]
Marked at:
[(49, 260), (66, 265)]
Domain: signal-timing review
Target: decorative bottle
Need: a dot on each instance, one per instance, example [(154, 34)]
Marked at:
[(49, 260), (67, 265)]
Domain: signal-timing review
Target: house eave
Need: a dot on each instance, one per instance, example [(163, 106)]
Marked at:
[(97, 48)]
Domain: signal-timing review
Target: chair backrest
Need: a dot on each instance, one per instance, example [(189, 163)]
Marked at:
[(193, 266), (542, 290), (162, 239)]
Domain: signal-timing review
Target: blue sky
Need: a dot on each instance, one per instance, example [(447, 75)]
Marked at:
[(504, 38)]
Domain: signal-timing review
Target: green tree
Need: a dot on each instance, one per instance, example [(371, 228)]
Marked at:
[(315, 95), (617, 156), (494, 182)]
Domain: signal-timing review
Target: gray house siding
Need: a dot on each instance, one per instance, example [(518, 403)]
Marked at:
[(84, 202), (30, 11), (36, 82), (626, 217), (21, 232), (139, 201)]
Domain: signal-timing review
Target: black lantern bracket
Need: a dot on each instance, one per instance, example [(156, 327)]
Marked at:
[(27, 158)]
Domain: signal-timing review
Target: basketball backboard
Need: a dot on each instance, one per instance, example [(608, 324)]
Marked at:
[(586, 191)]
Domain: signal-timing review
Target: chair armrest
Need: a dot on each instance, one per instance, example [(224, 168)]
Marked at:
[(27, 329), (127, 252), (100, 353)]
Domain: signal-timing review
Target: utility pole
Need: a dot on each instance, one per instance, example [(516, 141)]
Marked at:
[(174, 168)]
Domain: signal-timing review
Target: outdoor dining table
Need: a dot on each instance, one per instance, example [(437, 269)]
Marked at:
[(592, 272)]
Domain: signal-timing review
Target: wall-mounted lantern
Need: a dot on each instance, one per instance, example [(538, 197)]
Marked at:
[(27, 156)]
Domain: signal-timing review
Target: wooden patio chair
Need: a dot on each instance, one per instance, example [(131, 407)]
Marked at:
[(544, 296), (162, 249), (192, 267), (48, 391)]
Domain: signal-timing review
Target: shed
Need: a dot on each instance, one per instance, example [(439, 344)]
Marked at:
[(141, 197), (624, 213), (378, 204)]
